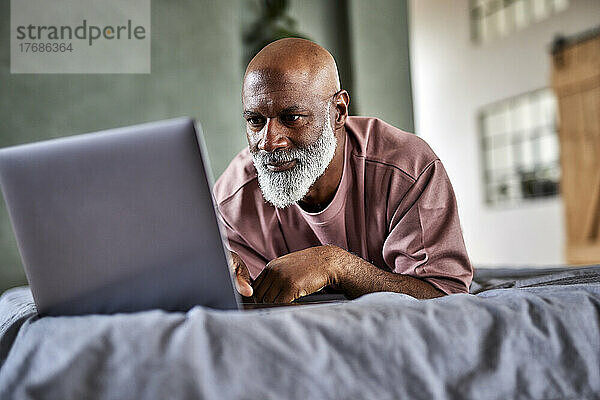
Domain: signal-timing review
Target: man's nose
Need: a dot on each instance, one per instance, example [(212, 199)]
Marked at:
[(273, 137)]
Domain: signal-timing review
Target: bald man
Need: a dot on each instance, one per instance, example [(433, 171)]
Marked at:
[(321, 199)]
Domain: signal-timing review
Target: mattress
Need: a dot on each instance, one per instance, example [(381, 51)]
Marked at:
[(522, 335)]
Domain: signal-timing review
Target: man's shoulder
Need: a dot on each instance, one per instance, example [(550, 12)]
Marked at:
[(383, 144), (240, 174)]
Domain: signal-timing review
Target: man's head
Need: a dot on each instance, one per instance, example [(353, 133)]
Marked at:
[(295, 113)]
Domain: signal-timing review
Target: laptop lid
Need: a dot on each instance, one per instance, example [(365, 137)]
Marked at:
[(118, 221)]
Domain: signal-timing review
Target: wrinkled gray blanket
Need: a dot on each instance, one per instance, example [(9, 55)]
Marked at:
[(528, 343)]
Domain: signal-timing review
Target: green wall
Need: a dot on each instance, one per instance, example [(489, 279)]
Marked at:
[(197, 67), (381, 62), (369, 40)]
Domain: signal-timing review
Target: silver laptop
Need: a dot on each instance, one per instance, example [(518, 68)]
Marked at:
[(118, 221)]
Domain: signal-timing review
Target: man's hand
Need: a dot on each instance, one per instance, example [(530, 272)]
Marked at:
[(243, 282), (298, 274), (303, 272)]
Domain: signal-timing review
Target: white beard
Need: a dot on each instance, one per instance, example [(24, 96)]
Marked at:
[(284, 188)]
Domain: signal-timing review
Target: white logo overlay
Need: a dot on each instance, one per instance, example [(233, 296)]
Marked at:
[(80, 36)]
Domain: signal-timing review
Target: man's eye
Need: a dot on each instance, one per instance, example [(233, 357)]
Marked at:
[(290, 118), (254, 120)]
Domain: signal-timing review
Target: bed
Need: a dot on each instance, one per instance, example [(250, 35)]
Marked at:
[(521, 334)]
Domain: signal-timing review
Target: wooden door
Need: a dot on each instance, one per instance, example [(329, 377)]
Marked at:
[(576, 81)]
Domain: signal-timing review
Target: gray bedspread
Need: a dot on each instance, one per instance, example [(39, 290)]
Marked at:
[(527, 343)]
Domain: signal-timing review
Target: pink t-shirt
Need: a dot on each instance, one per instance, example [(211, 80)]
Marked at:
[(394, 207)]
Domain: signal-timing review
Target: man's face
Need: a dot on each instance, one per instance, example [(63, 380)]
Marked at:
[(290, 136)]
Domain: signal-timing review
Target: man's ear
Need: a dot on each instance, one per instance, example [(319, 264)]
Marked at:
[(341, 101)]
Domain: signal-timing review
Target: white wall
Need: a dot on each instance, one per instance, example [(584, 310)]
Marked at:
[(452, 78)]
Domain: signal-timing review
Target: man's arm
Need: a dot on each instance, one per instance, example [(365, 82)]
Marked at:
[(307, 271), (357, 277)]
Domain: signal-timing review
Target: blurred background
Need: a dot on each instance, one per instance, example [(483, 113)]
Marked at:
[(475, 78)]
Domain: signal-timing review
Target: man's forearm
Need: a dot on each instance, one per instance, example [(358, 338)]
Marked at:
[(357, 277)]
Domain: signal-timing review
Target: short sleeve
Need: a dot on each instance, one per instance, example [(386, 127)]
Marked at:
[(425, 238)]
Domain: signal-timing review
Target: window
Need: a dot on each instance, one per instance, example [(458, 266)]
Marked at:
[(497, 18), (520, 148)]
